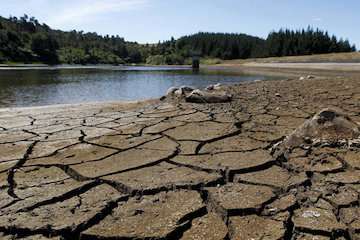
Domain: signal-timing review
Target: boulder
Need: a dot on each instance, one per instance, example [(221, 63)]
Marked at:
[(329, 125), (187, 89), (179, 92), (310, 77), (171, 91), (214, 87), (198, 96)]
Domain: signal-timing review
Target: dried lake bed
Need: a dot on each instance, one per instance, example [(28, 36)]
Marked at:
[(175, 170)]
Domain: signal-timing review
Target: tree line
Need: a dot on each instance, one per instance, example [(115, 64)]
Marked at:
[(26, 40)]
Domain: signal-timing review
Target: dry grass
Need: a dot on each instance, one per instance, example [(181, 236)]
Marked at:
[(353, 57)]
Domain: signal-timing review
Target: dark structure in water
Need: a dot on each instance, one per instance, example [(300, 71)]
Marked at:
[(195, 62)]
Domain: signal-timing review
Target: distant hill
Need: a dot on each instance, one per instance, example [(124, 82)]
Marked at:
[(26, 40)]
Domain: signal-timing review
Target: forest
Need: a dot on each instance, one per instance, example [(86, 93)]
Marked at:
[(26, 40)]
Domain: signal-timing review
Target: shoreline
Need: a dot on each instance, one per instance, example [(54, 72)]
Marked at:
[(276, 72)]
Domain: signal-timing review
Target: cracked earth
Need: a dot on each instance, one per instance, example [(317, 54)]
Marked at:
[(174, 170)]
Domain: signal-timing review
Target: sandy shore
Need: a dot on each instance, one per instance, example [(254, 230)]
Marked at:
[(174, 170)]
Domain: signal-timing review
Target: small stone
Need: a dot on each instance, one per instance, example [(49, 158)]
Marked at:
[(309, 213)]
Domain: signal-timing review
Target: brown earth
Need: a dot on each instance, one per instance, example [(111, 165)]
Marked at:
[(174, 170)]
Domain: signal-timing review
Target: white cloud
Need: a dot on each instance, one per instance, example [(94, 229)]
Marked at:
[(83, 10)]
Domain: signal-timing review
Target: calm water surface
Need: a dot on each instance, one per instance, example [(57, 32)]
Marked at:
[(61, 85)]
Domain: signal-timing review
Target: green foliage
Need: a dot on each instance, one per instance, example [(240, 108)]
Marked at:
[(210, 61), (174, 59), (220, 45), (168, 59), (94, 56), (2, 58), (156, 60), (25, 40), (45, 47), (240, 46), (295, 43)]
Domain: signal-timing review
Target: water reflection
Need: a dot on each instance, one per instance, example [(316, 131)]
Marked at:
[(46, 86)]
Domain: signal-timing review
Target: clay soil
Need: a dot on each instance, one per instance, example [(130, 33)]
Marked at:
[(174, 170)]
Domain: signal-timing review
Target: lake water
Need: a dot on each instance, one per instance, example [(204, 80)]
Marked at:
[(61, 85)]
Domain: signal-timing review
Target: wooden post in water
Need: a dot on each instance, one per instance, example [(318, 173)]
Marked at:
[(195, 62)]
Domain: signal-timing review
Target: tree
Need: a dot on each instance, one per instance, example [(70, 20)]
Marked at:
[(45, 47)]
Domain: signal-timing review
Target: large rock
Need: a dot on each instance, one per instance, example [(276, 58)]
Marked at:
[(198, 96), (329, 125), (210, 95), (179, 91)]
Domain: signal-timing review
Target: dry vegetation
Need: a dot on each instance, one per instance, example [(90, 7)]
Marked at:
[(352, 57)]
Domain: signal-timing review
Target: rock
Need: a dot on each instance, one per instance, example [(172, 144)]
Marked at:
[(171, 91), (179, 92), (307, 77), (277, 94), (210, 87), (329, 125), (187, 89), (198, 96), (310, 214), (214, 87), (310, 77)]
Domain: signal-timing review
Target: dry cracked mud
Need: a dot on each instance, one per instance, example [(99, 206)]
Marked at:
[(175, 170)]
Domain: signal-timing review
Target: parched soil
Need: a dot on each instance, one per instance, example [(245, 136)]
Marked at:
[(174, 170)]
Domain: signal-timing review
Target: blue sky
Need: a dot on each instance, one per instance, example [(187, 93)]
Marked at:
[(154, 20)]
